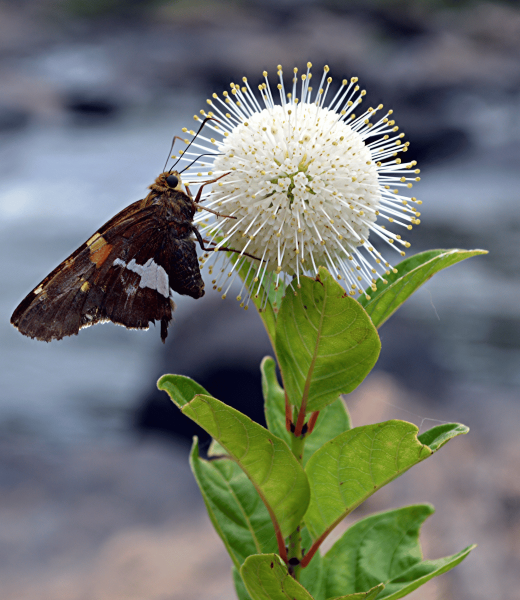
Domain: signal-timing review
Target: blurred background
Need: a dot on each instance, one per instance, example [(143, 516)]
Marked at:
[(96, 498)]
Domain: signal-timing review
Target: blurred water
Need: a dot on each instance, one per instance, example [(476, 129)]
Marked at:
[(59, 184)]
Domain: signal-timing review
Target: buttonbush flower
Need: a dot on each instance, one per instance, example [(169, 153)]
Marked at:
[(310, 178)]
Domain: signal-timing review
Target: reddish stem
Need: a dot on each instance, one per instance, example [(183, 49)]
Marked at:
[(299, 422), (312, 421), (282, 550), (312, 550)]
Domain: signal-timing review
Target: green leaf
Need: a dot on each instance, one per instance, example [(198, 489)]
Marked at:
[(421, 573), (354, 465), (436, 437), (235, 509), (325, 342), (333, 419), (274, 400), (370, 595), (411, 274), (375, 549), (266, 578), (181, 389), (384, 548), (265, 459), (240, 587)]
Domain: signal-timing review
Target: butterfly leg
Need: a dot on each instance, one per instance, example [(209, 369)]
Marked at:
[(202, 241), (214, 212), (199, 193)]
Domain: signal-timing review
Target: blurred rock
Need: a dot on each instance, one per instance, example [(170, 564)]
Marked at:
[(88, 108)]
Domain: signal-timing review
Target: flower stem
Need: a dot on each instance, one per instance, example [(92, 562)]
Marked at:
[(294, 555)]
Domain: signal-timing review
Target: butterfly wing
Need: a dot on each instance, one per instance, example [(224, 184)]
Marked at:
[(121, 274)]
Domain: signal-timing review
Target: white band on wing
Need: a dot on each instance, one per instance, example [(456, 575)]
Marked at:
[(153, 276)]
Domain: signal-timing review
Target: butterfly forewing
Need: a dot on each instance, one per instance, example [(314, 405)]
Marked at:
[(124, 273)]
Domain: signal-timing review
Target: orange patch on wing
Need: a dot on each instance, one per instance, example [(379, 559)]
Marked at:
[(99, 257)]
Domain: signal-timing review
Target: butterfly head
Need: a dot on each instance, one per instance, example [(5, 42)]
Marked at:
[(168, 181)]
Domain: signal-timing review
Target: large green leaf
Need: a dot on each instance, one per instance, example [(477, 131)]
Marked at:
[(333, 419), (420, 573), (235, 509), (354, 465), (266, 459), (266, 578), (325, 342), (411, 274), (375, 549)]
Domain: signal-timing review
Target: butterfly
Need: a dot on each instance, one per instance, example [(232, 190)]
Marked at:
[(126, 272)]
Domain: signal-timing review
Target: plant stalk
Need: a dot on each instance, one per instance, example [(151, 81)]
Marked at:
[(295, 539)]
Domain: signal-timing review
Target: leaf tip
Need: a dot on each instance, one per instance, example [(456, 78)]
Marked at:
[(161, 382)]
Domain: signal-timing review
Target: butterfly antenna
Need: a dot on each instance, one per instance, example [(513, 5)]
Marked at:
[(194, 138), (170, 152), (200, 156)]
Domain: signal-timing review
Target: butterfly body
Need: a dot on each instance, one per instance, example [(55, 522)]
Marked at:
[(125, 273)]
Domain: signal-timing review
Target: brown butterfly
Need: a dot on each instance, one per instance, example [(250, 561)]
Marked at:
[(126, 272)]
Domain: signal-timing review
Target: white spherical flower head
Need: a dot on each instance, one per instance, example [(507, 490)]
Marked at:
[(300, 194), (304, 182)]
